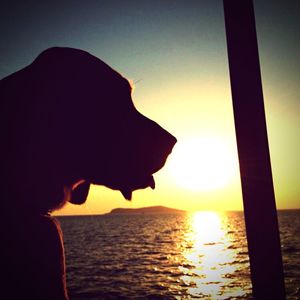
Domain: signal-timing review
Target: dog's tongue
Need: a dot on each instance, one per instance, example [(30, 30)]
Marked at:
[(152, 183), (127, 194)]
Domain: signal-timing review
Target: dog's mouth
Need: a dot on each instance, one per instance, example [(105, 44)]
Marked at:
[(147, 182)]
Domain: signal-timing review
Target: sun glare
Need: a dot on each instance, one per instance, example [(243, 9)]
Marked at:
[(204, 163), (211, 260)]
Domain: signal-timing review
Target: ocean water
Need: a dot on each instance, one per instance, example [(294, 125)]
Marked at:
[(200, 255)]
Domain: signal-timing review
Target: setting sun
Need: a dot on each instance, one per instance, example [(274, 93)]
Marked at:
[(204, 163)]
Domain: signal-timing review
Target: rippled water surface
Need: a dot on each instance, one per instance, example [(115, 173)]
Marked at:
[(186, 256)]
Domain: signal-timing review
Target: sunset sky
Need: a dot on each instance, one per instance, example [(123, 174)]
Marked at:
[(175, 54)]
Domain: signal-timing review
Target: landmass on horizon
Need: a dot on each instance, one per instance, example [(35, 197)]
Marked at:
[(146, 210)]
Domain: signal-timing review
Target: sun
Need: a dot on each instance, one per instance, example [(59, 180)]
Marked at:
[(204, 163)]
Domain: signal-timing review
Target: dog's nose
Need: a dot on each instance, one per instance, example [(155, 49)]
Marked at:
[(158, 144), (153, 144), (172, 141), (166, 143)]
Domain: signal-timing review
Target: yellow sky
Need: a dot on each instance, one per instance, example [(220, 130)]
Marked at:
[(176, 56), (198, 110)]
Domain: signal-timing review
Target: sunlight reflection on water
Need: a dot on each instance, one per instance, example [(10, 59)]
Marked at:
[(186, 256), (210, 257)]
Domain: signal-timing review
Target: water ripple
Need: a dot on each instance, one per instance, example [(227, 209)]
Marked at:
[(189, 256)]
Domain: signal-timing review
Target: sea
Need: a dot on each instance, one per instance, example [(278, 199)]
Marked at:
[(200, 255)]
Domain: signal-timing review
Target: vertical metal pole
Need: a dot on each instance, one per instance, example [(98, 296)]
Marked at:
[(254, 158)]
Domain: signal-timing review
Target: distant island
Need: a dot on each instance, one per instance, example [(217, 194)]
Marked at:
[(146, 210)]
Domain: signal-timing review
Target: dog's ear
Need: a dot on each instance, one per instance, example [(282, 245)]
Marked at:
[(80, 193)]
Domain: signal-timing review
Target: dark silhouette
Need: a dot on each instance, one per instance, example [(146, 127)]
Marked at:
[(67, 120), (253, 148)]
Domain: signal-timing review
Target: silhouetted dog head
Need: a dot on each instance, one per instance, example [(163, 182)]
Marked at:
[(68, 120)]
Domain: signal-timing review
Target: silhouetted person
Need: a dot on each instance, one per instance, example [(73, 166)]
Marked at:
[(67, 120)]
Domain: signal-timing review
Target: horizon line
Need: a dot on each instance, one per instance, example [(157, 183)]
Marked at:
[(183, 211)]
